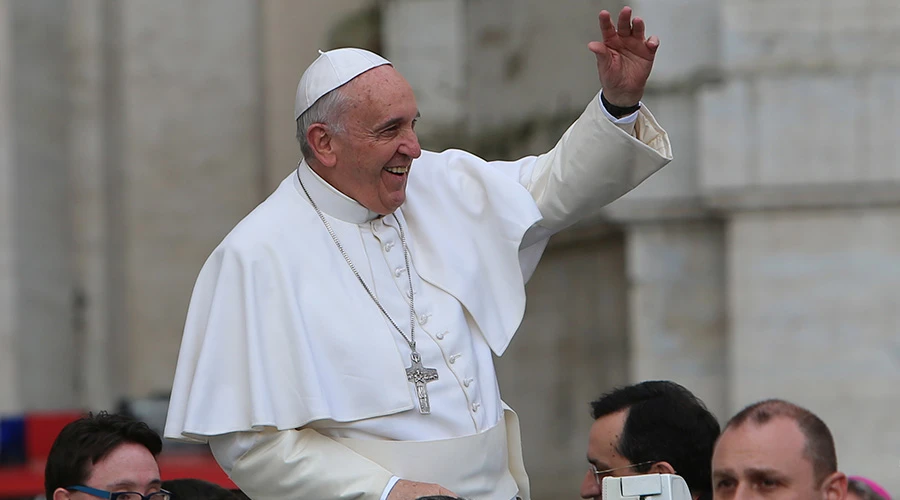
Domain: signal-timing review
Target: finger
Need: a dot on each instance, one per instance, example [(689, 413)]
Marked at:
[(637, 28), (653, 44), (607, 29), (625, 22)]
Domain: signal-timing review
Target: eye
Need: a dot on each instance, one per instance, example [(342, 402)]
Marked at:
[(768, 483), (724, 483)]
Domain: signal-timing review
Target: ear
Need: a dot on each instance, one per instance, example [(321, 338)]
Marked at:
[(662, 468), (834, 487), (320, 138), (60, 494)]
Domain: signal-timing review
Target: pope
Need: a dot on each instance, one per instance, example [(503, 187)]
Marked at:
[(339, 340)]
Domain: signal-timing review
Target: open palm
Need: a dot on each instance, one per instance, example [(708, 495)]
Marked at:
[(624, 57)]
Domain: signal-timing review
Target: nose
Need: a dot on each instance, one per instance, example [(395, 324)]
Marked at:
[(589, 486), (410, 146)]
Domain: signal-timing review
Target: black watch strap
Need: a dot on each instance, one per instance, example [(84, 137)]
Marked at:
[(618, 111)]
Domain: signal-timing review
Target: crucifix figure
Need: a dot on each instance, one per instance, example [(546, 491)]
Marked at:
[(419, 375)]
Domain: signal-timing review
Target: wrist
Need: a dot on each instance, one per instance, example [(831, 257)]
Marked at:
[(618, 111)]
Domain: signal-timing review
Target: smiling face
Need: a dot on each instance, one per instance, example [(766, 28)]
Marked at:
[(766, 461), (370, 159)]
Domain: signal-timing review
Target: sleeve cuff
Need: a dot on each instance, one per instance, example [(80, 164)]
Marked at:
[(389, 487), (625, 120)]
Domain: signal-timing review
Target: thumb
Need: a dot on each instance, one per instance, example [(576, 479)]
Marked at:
[(601, 52), (653, 44), (598, 48)]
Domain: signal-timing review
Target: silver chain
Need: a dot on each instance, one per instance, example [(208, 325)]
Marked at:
[(411, 340)]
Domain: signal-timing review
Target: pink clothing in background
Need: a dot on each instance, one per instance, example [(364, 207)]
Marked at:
[(872, 484)]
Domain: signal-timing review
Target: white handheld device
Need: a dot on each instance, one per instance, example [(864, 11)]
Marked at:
[(646, 487)]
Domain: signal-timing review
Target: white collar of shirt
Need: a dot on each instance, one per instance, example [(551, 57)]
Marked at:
[(330, 200)]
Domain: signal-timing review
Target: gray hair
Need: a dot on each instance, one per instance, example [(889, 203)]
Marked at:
[(328, 110)]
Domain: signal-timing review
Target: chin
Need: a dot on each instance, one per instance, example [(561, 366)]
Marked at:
[(393, 203), (392, 208)]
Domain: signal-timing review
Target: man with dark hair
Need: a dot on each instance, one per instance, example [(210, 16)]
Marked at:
[(655, 427), (777, 449), (104, 456)]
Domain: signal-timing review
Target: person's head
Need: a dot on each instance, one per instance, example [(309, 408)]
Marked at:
[(776, 450), (860, 488), (359, 137), (196, 489), (106, 452), (651, 427)]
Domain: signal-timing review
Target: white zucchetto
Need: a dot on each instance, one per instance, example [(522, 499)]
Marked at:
[(331, 70)]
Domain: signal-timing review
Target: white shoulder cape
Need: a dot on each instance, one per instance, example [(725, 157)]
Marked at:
[(276, 309)]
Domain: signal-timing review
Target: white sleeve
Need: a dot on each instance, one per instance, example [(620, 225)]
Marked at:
[(595, 162), (278, 465)]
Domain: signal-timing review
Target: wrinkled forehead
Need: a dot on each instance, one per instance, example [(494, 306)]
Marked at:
[(381, 83), (380, 94)]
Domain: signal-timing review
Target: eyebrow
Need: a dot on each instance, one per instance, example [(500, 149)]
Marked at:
[(718, 474), (753, 472), (395, 121), (759, 472)]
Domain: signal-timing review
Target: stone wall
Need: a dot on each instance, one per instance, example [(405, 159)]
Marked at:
[(676, 276), (191, 161), (798, 148), (9, 390), (95, 190), (815, 320), (36, 239)]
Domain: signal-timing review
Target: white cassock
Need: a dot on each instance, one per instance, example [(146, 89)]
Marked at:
[(296, 379)]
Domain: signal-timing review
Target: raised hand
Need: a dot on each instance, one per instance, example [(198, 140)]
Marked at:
[(624, 58)]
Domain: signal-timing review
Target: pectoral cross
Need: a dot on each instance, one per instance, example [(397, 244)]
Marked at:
[(419, 375)]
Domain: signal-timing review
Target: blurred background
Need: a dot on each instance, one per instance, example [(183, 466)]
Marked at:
[(763, 262)]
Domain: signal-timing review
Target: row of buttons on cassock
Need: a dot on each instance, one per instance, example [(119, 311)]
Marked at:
[(423, 318)]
